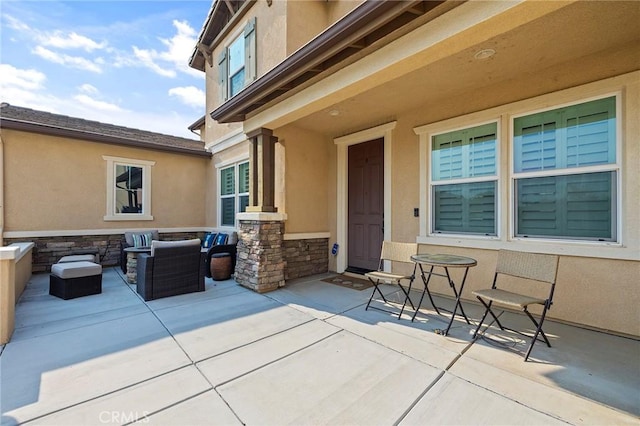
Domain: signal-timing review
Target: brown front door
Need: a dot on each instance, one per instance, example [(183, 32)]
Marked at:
[(366, 205)]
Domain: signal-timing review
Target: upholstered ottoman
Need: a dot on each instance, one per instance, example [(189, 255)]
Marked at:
[(75, 279)]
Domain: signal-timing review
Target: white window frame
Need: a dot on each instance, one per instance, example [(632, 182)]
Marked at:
[(611, 167), (112, 163), (239, 39), (247, 36), (431, 183), (236, 195)]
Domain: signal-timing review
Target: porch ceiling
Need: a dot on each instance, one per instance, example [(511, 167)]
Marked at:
[(579, 43)]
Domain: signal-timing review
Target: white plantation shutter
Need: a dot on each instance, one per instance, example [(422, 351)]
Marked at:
[(576, 136), (460, 206), (227, 196), (578, 205)]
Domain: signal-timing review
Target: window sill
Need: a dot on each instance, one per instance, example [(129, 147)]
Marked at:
[(129, 217), (603, 250)]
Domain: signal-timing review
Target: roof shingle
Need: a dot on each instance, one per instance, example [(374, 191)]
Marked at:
[(19, 118)]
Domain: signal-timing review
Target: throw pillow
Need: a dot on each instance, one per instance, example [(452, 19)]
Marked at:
[(209, 239), (221, 239), (142, 240)]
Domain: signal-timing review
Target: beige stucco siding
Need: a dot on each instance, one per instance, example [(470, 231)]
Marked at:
[(280, 32), (307, 19), (55, 184), (305, 169), (597, 283), (598, 293), (338, 9), (271, 49)]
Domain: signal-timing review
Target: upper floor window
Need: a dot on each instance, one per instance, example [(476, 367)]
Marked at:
[(565, 172), (128, 189), (237, 63), (234, 192), (236, 66), (464, 181)]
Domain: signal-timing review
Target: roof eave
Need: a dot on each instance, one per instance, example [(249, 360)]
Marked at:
[(304, 59), (207, 40), (197, 124), (8, 123)]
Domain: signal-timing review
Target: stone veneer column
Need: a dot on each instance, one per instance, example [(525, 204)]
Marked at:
[(260, 260)]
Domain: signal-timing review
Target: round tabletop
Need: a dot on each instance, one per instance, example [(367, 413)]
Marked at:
[(446, 260)]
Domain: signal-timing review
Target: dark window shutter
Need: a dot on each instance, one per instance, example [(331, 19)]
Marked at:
[(222, 76), (250, 64)]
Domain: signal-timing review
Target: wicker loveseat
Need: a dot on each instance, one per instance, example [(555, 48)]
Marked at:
[(172, 268)]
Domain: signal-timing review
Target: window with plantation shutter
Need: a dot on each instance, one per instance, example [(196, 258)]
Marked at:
[(464, 181), (565, 172), (234, 192)]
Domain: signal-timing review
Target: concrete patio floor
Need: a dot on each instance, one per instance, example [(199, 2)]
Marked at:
[(307, 354)]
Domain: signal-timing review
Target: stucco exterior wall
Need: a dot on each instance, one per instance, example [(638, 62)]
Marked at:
[(280, 32), (56, 184), (339, 8), (305, 199), (597, 284), (271, 49)]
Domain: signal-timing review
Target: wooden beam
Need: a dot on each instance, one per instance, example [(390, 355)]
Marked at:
[(417, 9), (206, 52), (361, 44), (230, 7)]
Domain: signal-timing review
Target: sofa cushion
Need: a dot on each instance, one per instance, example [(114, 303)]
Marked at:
[(221, 239), (155, 244), (209, 239), (128, 236), (77, 258), (233, 238), (75, 269)]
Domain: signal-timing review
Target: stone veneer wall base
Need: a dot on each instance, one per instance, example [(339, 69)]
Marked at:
[(48, 250), (306, 257), (260, 261)]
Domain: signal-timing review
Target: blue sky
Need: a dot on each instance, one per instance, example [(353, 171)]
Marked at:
[(118, 62)]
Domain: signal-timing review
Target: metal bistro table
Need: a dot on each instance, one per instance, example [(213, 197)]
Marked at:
[(445, 261)]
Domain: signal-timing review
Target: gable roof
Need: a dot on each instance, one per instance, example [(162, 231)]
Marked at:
[(223, 15), (30, 120)]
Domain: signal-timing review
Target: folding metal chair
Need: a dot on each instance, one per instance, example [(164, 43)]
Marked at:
[(535, 268), (395, 252)]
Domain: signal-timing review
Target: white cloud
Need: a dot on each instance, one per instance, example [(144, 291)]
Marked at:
[(16, 24), (147, 59), (21, 87), (96, 104), (180, 46), (70, 61), (174, 58), (189, 95), (69, 41), (13, 77), (88, 88)]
